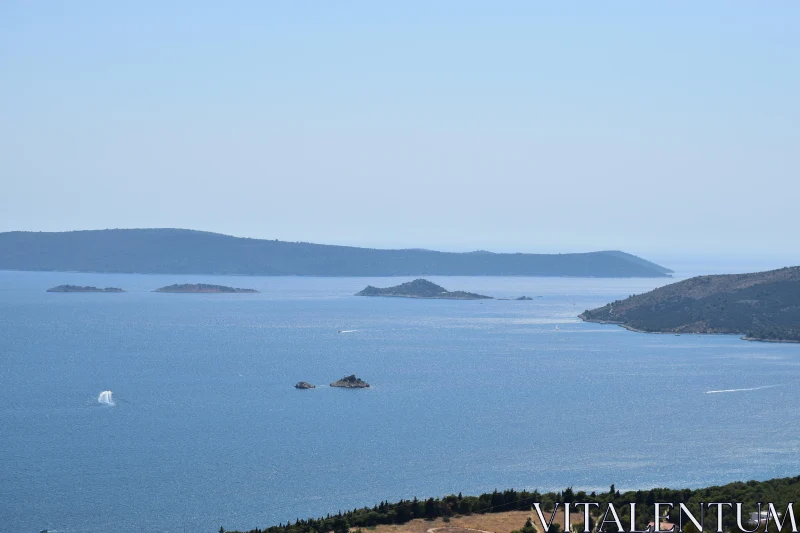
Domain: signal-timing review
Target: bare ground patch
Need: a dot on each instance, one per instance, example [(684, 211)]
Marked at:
[(490, 522)]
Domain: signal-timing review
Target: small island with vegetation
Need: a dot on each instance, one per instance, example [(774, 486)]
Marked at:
[(762, 306), (421, 288), (305, 385), (350, 382), (203, 288), (78, 288)]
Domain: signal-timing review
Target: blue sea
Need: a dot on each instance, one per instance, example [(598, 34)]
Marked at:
[(208, 430)]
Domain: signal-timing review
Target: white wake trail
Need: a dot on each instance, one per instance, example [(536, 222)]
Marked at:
[(740, 390)]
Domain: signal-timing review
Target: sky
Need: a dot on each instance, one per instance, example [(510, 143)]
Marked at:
[(652, 127)]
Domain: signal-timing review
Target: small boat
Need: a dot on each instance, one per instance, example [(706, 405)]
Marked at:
[(557, 328)]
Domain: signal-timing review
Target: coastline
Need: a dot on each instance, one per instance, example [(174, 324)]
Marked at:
[(755, 339), (631, 328)]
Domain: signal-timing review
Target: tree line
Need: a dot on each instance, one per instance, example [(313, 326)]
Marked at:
[(778, 491)]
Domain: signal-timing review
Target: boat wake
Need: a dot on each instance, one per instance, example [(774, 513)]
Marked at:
[(347, 330), (106, 398), (740, 390)]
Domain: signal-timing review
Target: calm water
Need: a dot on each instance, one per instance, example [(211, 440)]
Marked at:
[(467, 396)]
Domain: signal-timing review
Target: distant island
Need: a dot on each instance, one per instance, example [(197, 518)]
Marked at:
[(179, 251), (78, 288), (203, 288), (421, 288), (304, 385), (762, 306), (350, 382)]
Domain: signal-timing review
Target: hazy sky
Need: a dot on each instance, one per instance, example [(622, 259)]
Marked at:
[(532, 126)]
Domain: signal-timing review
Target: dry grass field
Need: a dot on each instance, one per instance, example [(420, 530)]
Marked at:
[(491, 522)]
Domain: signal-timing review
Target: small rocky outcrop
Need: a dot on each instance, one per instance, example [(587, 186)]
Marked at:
[(304, 385), (350, 382), (524, 298)]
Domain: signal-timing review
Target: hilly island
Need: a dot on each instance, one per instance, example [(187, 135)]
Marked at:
[(179, 251), (205, 288), (761, 306), (78, 288), (421, 288)]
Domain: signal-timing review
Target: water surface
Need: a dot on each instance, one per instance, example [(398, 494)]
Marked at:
[(466, 396)]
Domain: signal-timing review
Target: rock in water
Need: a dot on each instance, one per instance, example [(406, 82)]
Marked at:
[(350, 382), (304, 385)]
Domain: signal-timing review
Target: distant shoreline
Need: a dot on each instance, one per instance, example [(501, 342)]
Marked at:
[(181, 251), (322, 276)]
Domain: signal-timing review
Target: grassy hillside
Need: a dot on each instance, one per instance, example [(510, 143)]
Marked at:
[(762, 306)]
